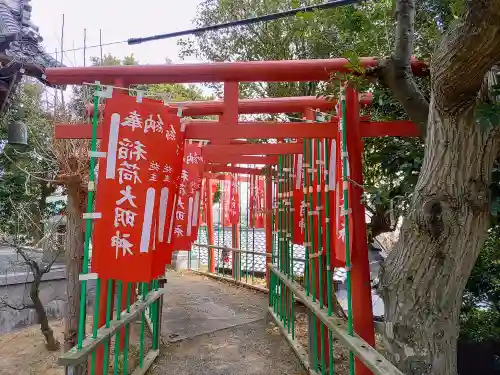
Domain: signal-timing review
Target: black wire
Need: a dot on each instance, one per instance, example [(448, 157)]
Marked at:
[(88, 47), (246, 21)]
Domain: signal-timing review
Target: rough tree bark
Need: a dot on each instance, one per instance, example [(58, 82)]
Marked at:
[(51, 343), (74, 258), (36, 303), (424, 277)]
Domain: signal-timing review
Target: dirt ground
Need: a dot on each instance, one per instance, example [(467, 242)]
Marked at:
[(208, 327), (214, 328), (23, 352)]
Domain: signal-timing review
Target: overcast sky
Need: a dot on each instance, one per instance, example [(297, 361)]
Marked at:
[(119, 20)]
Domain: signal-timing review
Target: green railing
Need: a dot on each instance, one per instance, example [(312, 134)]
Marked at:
[(144, 313), (327, 334), (283, 292), (110, 346)]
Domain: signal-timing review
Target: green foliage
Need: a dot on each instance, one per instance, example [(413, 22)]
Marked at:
[(488, 112), (391, 165), (480, 315), (26, 176), (488, 115), (312, 35)]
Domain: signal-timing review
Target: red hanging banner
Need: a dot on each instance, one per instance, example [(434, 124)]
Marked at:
[(129, 190), (188, 199), (226, 200), (337, 191), (257, 202), (203, 204), (234, 208), (298, 201)]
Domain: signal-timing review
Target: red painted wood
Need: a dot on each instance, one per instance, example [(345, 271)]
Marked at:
[(244, 71), (221, 176), (360, 269), (240, 159), (252, 149), (254, 106), (230, 114), (260, 129), (228, 169), (208, 130)]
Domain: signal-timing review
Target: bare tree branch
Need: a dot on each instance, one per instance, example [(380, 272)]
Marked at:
[(395, 72), (466, 53), (31, 174), (4, 303)]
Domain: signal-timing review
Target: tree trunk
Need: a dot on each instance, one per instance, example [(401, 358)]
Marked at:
[(74, 258), (424, 276), (51, 343)]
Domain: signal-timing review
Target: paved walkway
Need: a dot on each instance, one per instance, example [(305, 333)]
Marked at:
[(213, 328)]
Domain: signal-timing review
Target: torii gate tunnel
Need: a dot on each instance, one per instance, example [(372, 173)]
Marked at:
[(228, 149)]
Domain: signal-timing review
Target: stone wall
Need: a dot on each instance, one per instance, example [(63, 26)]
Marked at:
[(15, 288)]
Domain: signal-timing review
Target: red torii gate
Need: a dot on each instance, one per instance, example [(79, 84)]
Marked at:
[(225, 149)]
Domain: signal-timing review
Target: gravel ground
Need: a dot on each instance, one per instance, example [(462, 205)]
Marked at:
[(213, 328)]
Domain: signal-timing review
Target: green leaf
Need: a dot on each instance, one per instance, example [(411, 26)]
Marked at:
[(308, 16)]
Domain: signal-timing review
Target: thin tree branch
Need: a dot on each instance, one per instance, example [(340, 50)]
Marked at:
[(395, 72), (27, 172), (4, 303)]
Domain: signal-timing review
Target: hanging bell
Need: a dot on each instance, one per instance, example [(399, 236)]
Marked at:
[(17, 134)]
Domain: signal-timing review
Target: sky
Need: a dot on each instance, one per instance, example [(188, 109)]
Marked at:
[(118, 20)]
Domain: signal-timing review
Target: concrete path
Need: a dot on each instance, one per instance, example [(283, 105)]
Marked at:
[(213, 328)]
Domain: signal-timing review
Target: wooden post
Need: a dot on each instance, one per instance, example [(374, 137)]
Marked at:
[(360, 270), (161, 284)]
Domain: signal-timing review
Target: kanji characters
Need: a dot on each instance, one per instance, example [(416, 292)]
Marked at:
[(180, 204), (302, 224), (121, 243), (194, 159), (171, 134), (178, 231), (341, 233), (127, 196), (124, 217), (184, 175), (133, 151), (156, 126), (128, 172), (154, 166), (182, 190), (133, 120), (179, 215)]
